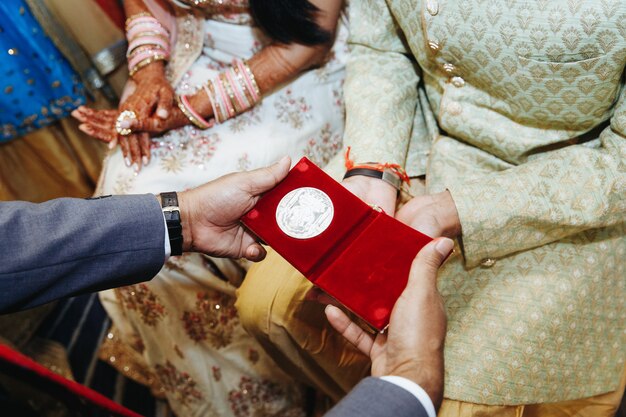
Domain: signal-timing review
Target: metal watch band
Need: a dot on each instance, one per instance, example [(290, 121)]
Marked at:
[(171, 212), (387, 176)]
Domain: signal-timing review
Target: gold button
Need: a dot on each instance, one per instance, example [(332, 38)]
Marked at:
[(488, 262), (432, 6), (458, 82), (449, 68), (454, 108), (434, 46)]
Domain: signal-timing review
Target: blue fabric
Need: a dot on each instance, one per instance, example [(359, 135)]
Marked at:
[(37, 84)]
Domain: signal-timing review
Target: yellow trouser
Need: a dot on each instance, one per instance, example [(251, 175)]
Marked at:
[(295, 333)]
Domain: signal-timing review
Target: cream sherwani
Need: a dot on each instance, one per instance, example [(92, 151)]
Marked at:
[(516, 107)]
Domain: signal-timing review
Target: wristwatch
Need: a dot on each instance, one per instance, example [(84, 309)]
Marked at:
[(171, 212), (385, 175)]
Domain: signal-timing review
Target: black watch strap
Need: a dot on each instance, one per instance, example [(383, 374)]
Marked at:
[(171, 212), (384, 175)]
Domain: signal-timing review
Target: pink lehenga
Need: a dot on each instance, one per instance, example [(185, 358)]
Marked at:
[(180, 332)]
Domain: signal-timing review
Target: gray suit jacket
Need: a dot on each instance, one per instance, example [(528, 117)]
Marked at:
[(69, 246), (374, 397)]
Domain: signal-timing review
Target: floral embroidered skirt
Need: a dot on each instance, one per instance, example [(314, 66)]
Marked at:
[(180, 332)]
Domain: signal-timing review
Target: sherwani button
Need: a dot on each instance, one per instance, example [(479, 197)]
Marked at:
[(434, 46), (432, 6), (458, 82), (488, 262), (449, 68)]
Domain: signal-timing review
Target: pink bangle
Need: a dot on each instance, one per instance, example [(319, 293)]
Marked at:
[(142, 20), (193, 115), (148, 40), (227, 105), (233, 86), (147, 33), (211, 100), (132, 32), (246, 75)]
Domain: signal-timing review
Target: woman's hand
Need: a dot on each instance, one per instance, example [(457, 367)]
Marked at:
[(100, 124), (153, 96)]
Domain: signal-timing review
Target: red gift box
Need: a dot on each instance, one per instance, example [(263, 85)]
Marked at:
[(357, 254)]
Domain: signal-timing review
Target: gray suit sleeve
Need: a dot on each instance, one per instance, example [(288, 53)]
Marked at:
[(69, 246), (375, 397)]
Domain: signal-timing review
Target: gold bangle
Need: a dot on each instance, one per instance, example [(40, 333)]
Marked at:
[(145, 63), (229, 92), (244, 87), (219, 117), (252, 79), (158, 49), (225, 100)]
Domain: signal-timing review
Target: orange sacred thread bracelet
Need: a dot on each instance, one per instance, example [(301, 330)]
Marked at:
[(396, 169)]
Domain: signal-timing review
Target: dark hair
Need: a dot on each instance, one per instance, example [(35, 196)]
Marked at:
[(289, 21)]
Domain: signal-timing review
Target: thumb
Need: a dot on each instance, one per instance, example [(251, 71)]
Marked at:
[(427, 262), (264, 179)]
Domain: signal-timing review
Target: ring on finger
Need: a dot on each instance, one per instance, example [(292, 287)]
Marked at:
[(126, 115)]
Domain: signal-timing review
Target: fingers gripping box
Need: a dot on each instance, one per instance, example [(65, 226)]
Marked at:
[(356, 253)]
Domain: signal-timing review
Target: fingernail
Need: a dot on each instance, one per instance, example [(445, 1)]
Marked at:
[(254, 252), (331, 310), (145, 160), (281, 160), (136, 167), (111, 144), (444, 246), (127, 161), (162, 113)]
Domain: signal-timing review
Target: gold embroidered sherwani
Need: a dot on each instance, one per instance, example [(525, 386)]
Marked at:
[(516, 107)]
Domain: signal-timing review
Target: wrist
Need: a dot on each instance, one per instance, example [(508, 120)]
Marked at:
[(385, 175), (201, 104), (448, 216), (149, 72)]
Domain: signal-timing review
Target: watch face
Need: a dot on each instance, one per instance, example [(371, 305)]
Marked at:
[(304, 213)]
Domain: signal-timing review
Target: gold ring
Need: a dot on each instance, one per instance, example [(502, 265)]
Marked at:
[(124, 116)]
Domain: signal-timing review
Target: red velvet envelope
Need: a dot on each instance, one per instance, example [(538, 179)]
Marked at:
[(357, 254)]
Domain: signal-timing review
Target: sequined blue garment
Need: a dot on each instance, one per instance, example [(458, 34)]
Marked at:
[(37, 85)]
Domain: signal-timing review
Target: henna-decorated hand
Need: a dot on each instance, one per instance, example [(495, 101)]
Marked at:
[(151, 98), (100, 124)]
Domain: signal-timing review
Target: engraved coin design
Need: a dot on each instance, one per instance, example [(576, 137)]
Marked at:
[(304, 213)]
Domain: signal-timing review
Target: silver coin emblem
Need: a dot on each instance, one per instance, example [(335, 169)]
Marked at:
[(304, 213)]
